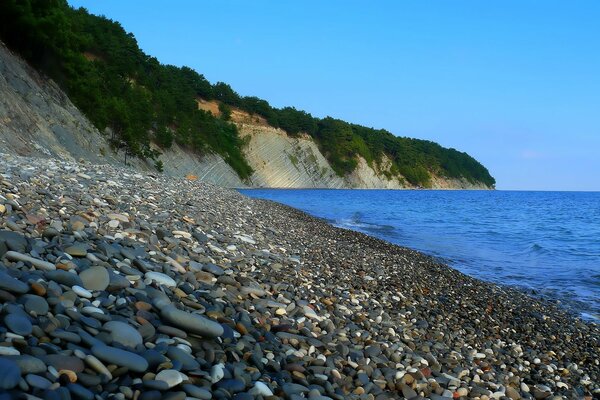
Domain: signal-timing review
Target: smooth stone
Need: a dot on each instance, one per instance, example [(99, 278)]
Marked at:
[(64, 277), (232, 385), (248, 396), (65, 335), (196, 391), (175, 396), (213, 269), (80, 392), (38, 381), (97, 366), (261, 389), (193, 323), (117, 282), (13, 240), (18, 324), (77, 250), (155, 384), (95, 278), (161, 278), (10, 373), (9, 351), (35, 304), (89, 380), (153, 357), (40, 264), (151, 395), (123, 333), (122, 358), (11, 284), (188, 362), (60, 361), (82, 292), (217, 372), (170, 376), (29, 364)]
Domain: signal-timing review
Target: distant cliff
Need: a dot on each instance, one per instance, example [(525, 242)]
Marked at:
[(38, 119), (123, 106)]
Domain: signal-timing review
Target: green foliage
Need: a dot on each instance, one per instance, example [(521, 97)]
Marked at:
[(118, 86), (141, 101), (225, 111), (158, 164), (164, 137)]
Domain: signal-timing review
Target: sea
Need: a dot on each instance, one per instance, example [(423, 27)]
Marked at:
[(545, 243)]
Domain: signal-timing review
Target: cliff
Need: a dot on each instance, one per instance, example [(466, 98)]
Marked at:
[(38, 119)]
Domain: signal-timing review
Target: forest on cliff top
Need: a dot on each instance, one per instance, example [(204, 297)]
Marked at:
[(142, 101)]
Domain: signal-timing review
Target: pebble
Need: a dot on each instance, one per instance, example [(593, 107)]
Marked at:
[(122, 358), (261, 389), (170, 376), (123, 333), (149, 287), (82, 292), (38, 382), (40, 264), (95, 278), (19, 324), (161, 279), (11, 284), (192, 322), (10, 374)]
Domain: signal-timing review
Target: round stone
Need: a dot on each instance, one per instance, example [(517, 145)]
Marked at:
[(123, 333), (170, 376), (95, 278), (19, 324), (10, 373), (35, 304)]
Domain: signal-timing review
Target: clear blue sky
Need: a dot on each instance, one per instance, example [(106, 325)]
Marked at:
[(515, 83)]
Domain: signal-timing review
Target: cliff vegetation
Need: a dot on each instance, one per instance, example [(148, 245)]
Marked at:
[(142, 101)]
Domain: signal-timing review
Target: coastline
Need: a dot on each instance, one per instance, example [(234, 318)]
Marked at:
[(313, 309)]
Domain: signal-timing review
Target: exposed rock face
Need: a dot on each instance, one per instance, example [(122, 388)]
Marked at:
[(285, 162), (367, 177), (38, 119)]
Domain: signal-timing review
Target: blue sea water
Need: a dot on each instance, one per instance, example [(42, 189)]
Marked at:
[(547, 243)]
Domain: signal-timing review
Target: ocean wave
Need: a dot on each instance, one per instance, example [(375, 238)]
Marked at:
[(357, 222)]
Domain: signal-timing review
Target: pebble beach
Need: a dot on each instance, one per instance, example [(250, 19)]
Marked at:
[(120, 285)]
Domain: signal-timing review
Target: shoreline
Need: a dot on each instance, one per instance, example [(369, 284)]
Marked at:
[(577, 307), (304, 308)]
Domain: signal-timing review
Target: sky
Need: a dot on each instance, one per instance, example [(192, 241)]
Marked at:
[(514, 83)]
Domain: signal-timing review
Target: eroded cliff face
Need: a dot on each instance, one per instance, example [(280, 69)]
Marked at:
[(38, 119), (285, 162)]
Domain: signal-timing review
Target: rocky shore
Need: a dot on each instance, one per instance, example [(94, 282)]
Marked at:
[(118, 285)]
